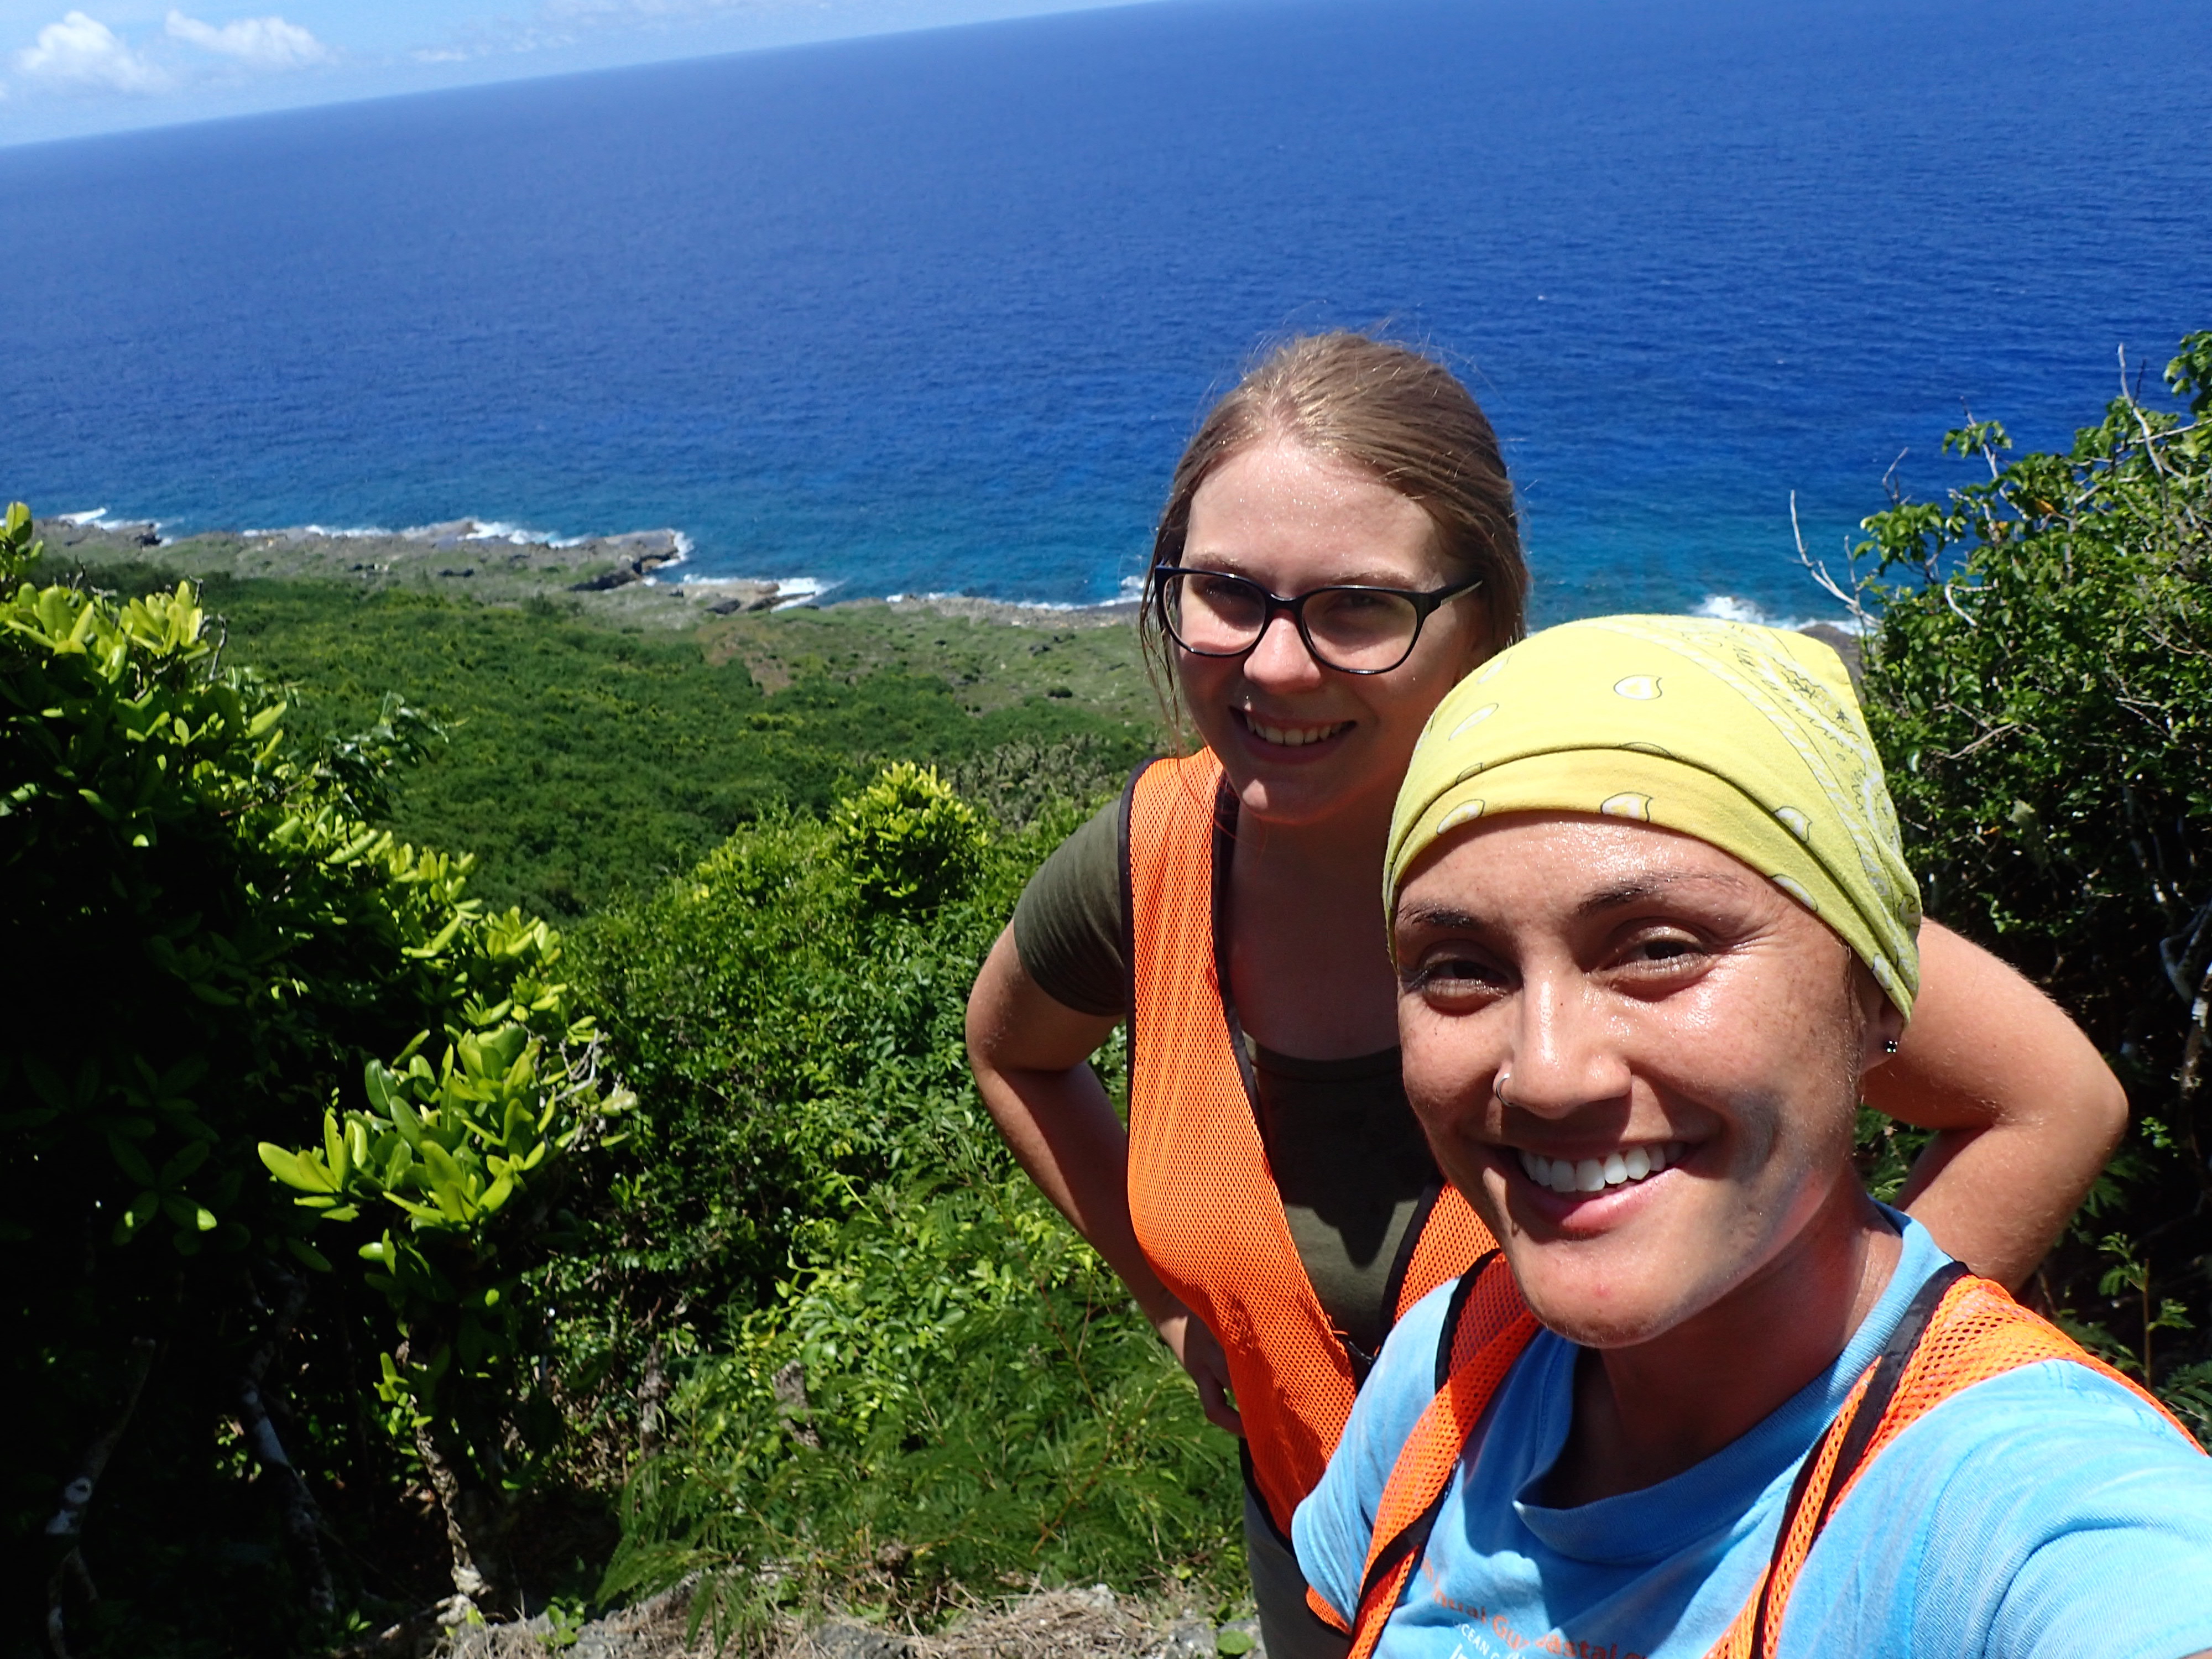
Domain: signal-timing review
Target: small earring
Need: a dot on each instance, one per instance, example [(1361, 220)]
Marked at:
[(1889, 1045)]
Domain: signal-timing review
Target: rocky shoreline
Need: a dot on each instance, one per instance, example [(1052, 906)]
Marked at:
[(627, 578)]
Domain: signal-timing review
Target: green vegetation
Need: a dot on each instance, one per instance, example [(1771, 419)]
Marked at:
[(210, 942), (374, 1246), (895, 1375), (580, 761), (482, 1278), (2040, 681)]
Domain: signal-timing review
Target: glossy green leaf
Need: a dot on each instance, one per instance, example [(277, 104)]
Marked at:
[(132, 1220), (181, 1166), (132, 1161), (307, 1254), (294, 1170)]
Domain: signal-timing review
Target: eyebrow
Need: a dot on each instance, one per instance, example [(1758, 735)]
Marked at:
[(1441, 917), (1636, 889), (1228, 564)]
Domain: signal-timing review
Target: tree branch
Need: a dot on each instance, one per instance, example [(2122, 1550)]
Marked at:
[(439, 1462), (68, 1521), (1819, 572), (303, 1522), (2191, 1077)]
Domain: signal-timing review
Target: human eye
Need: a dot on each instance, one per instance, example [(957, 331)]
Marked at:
[(1456, 977), (1353, 599), (1221, 592), (1660, 955)]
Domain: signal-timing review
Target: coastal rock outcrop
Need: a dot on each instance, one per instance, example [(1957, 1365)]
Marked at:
[(624, 575)]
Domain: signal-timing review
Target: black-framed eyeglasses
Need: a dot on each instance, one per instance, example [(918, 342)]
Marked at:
[(1352, 629)]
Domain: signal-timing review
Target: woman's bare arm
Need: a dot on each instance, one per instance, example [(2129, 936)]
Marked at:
[(1031, 1057), (2028, 1111)]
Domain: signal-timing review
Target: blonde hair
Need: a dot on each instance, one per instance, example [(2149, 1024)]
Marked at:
[(1390, 411)]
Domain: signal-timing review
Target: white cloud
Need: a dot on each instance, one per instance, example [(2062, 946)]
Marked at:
[(84, 52), (264, 42)]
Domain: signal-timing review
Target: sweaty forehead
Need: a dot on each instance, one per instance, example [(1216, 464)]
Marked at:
[(1281, 504), (1568, 864)]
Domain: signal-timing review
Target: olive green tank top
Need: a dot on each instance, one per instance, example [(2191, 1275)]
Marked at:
[(1348, 1157)]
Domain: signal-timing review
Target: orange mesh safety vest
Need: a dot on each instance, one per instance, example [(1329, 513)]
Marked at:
[(1959, 1330), (1206, 1206)]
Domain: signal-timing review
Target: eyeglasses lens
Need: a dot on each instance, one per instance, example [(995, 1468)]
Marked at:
[(1348, 628), (1216, 616), (1356, 630)]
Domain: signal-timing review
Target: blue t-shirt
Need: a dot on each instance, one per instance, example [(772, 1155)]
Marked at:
[(2045, 1512)]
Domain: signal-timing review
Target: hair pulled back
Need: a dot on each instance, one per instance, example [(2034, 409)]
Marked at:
[(1392, 412)]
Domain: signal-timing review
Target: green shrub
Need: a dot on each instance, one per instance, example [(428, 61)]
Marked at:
[(812, 1193), (909, 842), (1015, 782), (2040, 684), (950, 1395), (471, 1154), (787, 1039), (207, 942)]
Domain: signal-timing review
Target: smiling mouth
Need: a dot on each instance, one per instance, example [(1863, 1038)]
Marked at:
[(1622, 1167), (1292, 737)]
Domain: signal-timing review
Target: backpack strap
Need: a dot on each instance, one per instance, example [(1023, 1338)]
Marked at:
[(1959, 1330), (1485, 1329)]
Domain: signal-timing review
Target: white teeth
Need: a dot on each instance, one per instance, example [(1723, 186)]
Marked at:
[(1294, 737), (1593, 1175)]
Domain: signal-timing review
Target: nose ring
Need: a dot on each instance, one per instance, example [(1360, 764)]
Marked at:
[(1498, 1087)]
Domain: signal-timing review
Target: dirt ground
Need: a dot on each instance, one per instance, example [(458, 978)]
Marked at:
[(1081, 1624)]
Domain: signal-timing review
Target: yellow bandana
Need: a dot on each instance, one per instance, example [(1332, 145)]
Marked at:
[(1749, 738)]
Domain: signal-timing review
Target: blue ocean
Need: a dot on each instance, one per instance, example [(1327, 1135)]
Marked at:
[(935, 313)]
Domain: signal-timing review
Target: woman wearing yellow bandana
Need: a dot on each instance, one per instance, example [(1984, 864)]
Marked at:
[(1342, 460), (1747, 738), (1652, 927)]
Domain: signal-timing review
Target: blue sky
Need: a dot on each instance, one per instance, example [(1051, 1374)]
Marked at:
[(70, 67)]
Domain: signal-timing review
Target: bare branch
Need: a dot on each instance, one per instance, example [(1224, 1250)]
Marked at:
[(69, 1570), (303, 1522), (1889, 479), (652, 1398), (791, 1405), (2192, 1065), (68, 1522), (1819, 572), (1988, 737), (2182, 965), (441, 1462)]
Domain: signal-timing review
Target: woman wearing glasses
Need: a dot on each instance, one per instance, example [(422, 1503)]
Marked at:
[(1339, 550)]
